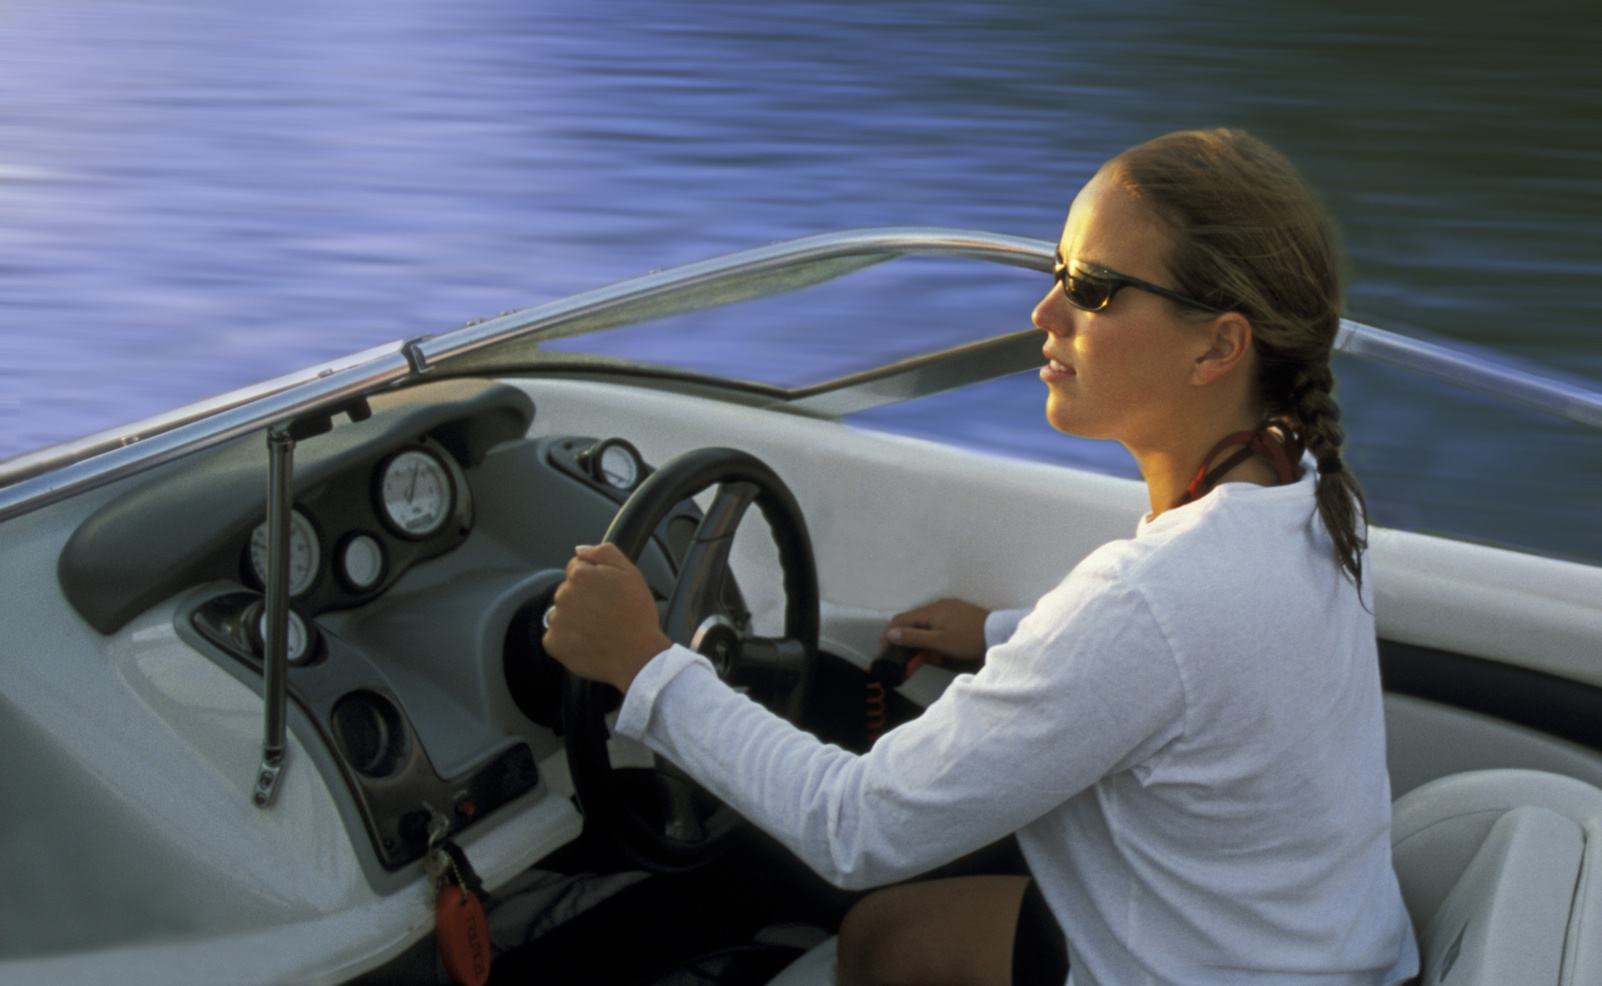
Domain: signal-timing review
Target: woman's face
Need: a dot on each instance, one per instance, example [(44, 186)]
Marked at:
[(1122, 372)]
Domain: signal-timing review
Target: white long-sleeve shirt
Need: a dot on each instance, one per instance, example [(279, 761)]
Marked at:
[(1186, 734)]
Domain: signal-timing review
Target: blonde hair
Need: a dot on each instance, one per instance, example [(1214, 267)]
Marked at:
[(1248, 235)]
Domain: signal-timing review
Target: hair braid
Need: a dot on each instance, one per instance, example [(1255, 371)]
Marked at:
[(1313, 413)]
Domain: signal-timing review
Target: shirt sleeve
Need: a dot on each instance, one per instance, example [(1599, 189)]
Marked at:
[(1085, 686), (1001, 624)]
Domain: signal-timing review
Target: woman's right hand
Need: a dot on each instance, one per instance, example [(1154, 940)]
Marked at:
[(950, 627)]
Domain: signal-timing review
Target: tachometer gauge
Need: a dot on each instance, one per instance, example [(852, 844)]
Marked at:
[(304, 553), (613, 462), (416, 494)]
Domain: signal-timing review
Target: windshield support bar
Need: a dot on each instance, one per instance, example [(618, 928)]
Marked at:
[(275, 641)]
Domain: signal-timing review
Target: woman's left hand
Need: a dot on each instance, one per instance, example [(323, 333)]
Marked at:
[(603, 622), (950, 626)]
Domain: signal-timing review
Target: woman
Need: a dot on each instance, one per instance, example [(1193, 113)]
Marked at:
[(1186, 734)]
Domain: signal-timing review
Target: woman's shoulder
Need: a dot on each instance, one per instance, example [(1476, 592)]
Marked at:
[(1231, 549), (1237, 517)]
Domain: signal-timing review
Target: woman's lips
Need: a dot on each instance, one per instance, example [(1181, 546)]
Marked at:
[(1054, 371)]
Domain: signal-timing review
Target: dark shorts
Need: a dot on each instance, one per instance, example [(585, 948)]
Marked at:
[(1039, 952)]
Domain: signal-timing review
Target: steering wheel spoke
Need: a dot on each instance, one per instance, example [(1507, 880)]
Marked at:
[(699, 592), (773, 671), (687, 826), (771, 655)]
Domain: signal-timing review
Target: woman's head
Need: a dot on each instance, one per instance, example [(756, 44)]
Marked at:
[(1246, 234)]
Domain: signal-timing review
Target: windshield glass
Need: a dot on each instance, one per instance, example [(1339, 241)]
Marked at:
[(877, 316)]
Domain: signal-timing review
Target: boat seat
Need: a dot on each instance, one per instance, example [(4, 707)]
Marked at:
[(1501, 871)]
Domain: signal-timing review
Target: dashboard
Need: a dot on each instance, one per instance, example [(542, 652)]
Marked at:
[(426, 541)]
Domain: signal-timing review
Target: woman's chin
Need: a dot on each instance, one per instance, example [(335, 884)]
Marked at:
[(1063, 419)]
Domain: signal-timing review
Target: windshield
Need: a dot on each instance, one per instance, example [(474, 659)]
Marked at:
[(933, 345), (880, 317), (857, 350), (883, 315)]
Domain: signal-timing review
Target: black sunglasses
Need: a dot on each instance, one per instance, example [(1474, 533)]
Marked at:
[(1090, 288)]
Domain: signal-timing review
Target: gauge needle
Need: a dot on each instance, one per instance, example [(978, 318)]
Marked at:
[(413, 488)]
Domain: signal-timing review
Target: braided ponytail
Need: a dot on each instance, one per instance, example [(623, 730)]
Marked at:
[(1249, 235), (1309, 410)]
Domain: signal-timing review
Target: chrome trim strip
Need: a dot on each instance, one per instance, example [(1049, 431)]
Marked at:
[(1016, 353), (975, 362), (43, 460), (1471, 372), (663, 286), (50, 475), (949, 369), (194, 436)]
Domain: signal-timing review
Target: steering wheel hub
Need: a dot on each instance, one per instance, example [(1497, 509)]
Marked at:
[(718, 640)]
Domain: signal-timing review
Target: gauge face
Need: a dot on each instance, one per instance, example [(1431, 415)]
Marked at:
[(416, 493), (304, 554), (362, 561), (618, 467), (295, 638)]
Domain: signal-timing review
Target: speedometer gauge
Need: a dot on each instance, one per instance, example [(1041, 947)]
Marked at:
[(416, 495), (304, 553)]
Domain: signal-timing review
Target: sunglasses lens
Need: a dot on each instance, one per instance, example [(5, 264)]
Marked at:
[(1085, 292)]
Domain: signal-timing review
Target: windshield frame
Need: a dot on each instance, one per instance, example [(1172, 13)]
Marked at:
[(508, 345)]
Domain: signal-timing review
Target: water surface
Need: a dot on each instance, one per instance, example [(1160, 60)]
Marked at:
[(198, 196)]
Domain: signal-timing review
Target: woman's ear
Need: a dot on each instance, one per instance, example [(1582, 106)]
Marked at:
[(1228, 344)]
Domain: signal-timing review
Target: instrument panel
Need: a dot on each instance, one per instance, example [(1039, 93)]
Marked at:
[(355, 535), (424, 683)]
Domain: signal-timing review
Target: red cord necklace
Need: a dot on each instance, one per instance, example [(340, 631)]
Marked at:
[(1280, 451)]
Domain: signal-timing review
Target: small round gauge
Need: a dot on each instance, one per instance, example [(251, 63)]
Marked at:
[(296, 639), (416, 493), (361, 561), (304, 554), (618, 467), (614, 462)]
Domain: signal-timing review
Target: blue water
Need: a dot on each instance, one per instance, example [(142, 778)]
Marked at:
[(195, 195)]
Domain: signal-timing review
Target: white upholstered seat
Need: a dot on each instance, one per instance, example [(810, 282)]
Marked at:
[(1502, 873)]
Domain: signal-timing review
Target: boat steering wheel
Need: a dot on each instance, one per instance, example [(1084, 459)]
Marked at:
[(688, 826)]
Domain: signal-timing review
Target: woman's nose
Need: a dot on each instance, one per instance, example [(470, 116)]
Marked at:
[(1052, 314)]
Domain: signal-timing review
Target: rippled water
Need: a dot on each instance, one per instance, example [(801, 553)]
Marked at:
[(197, 196)]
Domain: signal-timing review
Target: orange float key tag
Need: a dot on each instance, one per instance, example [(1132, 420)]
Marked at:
[(460, 930), (463, 935)]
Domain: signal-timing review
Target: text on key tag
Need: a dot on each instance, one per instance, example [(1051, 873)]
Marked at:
[(462, 935)]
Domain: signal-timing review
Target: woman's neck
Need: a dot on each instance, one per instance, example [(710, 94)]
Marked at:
[(1168, 470)]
